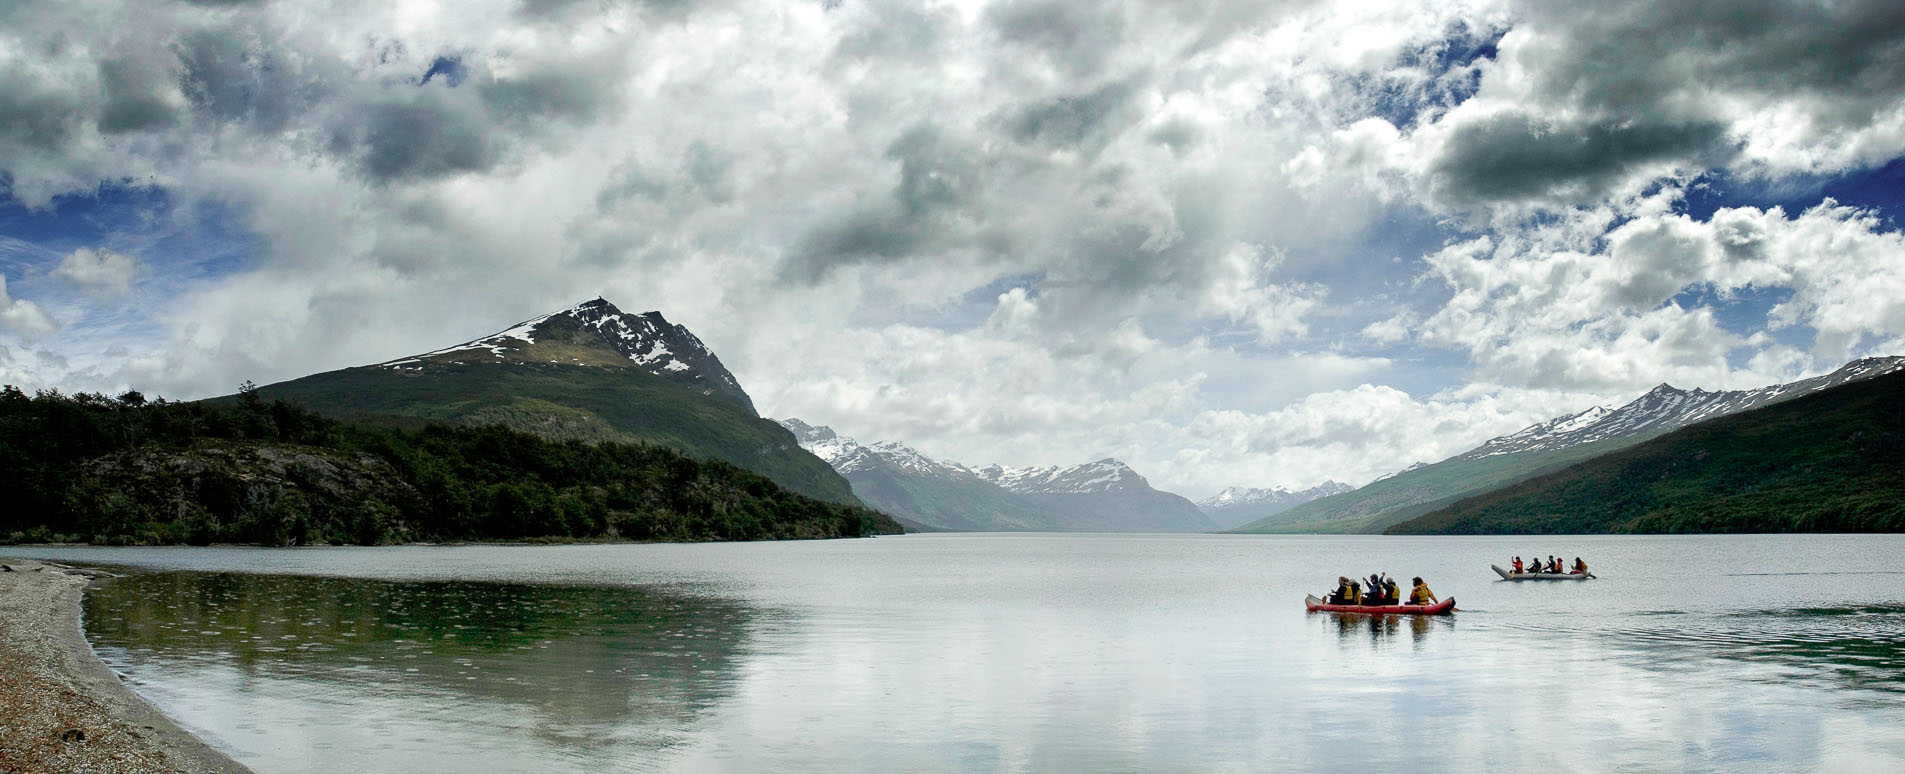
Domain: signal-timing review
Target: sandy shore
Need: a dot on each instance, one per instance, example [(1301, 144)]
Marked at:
[(64, 710)]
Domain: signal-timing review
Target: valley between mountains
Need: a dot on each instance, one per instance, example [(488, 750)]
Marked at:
[(594, 423)]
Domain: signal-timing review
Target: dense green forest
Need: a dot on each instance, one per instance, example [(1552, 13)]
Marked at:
[(1833, 461), (124, 470)]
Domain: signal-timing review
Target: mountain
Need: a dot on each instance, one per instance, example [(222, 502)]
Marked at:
[(1104, 496), (1236, 506), (1830, 461), (918, 489), (589, 373), (1542, 448)]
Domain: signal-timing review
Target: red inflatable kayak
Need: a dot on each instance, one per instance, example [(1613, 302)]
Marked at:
[(1443, 607)]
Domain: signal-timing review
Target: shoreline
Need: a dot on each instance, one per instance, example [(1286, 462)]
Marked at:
[(67, 710)]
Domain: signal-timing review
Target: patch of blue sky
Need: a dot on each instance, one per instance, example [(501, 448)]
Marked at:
[(451, 68), (81, 220), (172, 241), (1419, 82), (174, 246), (1880, 188)]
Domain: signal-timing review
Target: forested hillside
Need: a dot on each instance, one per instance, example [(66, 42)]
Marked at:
[(88, 468), (1833, 461)]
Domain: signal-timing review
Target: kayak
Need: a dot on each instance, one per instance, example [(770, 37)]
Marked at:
[(1443, 607), (1522, 576)]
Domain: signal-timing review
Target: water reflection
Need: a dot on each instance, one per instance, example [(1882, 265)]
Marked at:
[(563, 671), (1376, 630), (1857, 646)]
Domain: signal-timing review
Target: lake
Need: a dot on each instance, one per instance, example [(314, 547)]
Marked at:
[(1018, 652)]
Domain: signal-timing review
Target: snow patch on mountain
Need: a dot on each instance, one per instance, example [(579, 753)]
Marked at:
[(846, 455), (1413, 467), (1236, 497), (1106, 475), (1666, 408), (647, 340)]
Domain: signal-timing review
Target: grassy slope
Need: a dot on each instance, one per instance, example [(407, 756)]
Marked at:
[(1832, 461), (571, 402), (1391, 501)]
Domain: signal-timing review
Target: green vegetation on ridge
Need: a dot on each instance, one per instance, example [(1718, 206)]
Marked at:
[(570, 402), (1833, 461), (1382, 504), (127, 471)]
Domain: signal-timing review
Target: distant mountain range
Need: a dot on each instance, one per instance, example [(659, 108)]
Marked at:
[(1236, 506), (1542, 448), (589, 373), (1830, 459), (1102, 496)]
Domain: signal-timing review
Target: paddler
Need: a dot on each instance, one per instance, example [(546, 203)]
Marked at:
[(1580, 567), (1347, 593), (1420, 594), (1518, 564)]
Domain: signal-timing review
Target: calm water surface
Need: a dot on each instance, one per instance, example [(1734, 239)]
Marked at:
[(1018, 653)]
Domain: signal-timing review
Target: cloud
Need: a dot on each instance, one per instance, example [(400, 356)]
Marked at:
[(1584, 103), (1592, 302), (23, 317), (1516, 157), (101, 272), (1023, 231)]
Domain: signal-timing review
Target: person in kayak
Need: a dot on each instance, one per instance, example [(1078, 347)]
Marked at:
[(1517, 564), (1554, 566), (1580, 567), (1390, 594), (1346, 593), (1420, 594)]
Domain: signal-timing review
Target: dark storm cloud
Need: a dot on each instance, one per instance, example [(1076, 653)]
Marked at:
[(1074, 120), (939, 176), (1075, 37), (232, 75), (1619, 89), (135, 95), (1842, 49), (1516, 157), (37, 116), (572, 91), (428, 135)]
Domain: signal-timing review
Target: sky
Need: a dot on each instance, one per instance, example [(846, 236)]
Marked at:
[(1230, 243)]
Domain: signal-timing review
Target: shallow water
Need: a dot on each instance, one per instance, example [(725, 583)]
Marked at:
[(1018, 653)]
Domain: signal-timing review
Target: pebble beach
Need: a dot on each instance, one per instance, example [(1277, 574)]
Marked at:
[(63, 709)]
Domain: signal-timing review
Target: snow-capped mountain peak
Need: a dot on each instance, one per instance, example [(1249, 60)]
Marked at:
[(1106, 475), (595, 333), (1666, 408), (1242, 496), (846, 455)]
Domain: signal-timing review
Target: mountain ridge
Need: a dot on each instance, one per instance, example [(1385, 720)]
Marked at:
[(588, 373), (1236, 506), (1830, 460), (1542, 448), (1104, 495)]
